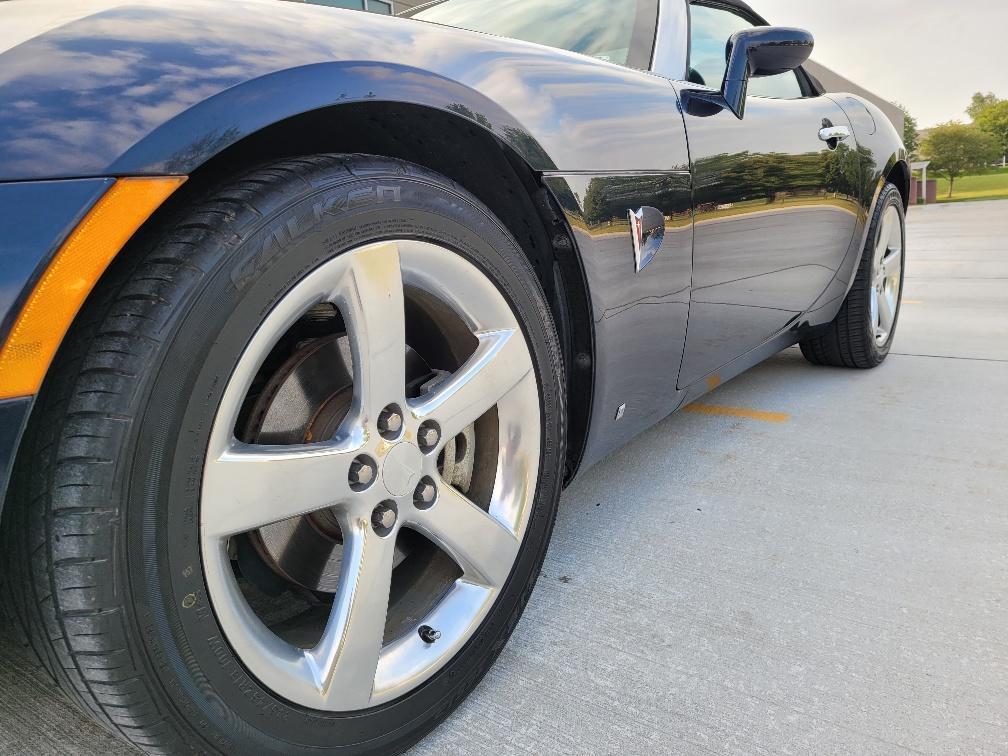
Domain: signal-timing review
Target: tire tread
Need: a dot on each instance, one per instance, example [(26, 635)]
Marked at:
[(847, 341), (62, 528)]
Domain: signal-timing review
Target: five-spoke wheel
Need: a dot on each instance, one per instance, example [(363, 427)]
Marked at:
[(379, 473), (887, 274)]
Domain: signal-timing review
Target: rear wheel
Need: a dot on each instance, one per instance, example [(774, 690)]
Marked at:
[(862, 333), (294, 475)]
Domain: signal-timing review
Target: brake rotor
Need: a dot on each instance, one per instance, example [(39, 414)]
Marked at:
[(457, 458), (306, 400)]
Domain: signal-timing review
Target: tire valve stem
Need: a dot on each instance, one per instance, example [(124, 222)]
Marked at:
[(428, 634)]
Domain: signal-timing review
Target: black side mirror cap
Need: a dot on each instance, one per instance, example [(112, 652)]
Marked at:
[(769, 50), (753, 53)]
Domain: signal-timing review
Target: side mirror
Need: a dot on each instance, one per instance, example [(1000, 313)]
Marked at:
[(752, 53)]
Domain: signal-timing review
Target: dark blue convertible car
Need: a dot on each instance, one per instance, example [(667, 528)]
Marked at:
[(307, 315)]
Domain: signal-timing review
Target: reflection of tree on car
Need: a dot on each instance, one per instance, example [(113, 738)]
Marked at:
[(744, 177)]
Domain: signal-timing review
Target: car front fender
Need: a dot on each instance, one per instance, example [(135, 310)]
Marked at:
[(149, 89)]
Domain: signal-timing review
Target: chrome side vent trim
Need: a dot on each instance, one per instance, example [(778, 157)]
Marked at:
[(647, 228)]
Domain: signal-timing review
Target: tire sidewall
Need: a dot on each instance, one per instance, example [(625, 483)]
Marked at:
[(195, 664), (890, 197)]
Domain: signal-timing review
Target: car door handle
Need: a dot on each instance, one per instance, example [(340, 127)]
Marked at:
[(834, 133)]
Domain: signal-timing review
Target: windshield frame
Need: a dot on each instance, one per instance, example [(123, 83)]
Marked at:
[(642, 39)]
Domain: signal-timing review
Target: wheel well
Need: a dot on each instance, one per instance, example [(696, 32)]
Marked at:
[(454, 145), (899, 175)]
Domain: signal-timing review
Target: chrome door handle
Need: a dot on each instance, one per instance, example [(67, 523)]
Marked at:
[(834, 133)]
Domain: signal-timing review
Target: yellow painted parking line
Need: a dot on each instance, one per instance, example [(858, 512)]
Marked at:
[(743, 412)]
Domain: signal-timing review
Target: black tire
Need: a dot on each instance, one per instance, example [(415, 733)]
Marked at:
[(99, 533), (849, 340)]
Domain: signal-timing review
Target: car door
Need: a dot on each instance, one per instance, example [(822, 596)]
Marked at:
[(774, 205)]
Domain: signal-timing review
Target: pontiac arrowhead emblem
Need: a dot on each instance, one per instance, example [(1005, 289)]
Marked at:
[(647, 229)]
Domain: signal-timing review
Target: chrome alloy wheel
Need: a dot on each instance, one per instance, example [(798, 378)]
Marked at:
[(378, 475), (887, 274)]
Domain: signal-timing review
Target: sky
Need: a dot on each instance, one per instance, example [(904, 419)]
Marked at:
[(929, 55)]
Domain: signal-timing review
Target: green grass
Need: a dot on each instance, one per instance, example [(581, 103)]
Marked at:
[(989, 185)]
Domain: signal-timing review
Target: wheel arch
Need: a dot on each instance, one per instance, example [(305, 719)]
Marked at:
[(895, 171), (181, 144), (899, 175), (457, 144)]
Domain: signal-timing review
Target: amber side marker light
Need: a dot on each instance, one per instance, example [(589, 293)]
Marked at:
[(72, 273)]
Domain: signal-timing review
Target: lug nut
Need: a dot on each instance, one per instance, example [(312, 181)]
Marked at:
[(423, 497), (390, 422), (428, 436), (362, 473), (428, 634), (383, 518)]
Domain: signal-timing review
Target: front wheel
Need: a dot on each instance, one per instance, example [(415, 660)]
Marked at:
[(862, 333), (293, 478)]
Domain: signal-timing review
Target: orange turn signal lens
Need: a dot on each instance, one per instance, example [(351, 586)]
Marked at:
[(72, 273)]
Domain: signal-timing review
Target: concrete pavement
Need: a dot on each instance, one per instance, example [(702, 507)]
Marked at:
[(829, 577)]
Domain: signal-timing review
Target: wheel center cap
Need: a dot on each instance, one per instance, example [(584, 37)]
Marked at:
[(401, 469)]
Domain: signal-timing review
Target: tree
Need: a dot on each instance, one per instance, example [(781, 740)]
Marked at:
[(979, 102), (911, 139), (994, 120), (955, 148)]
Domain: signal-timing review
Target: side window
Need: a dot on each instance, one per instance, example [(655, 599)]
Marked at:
[(710, 30)]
